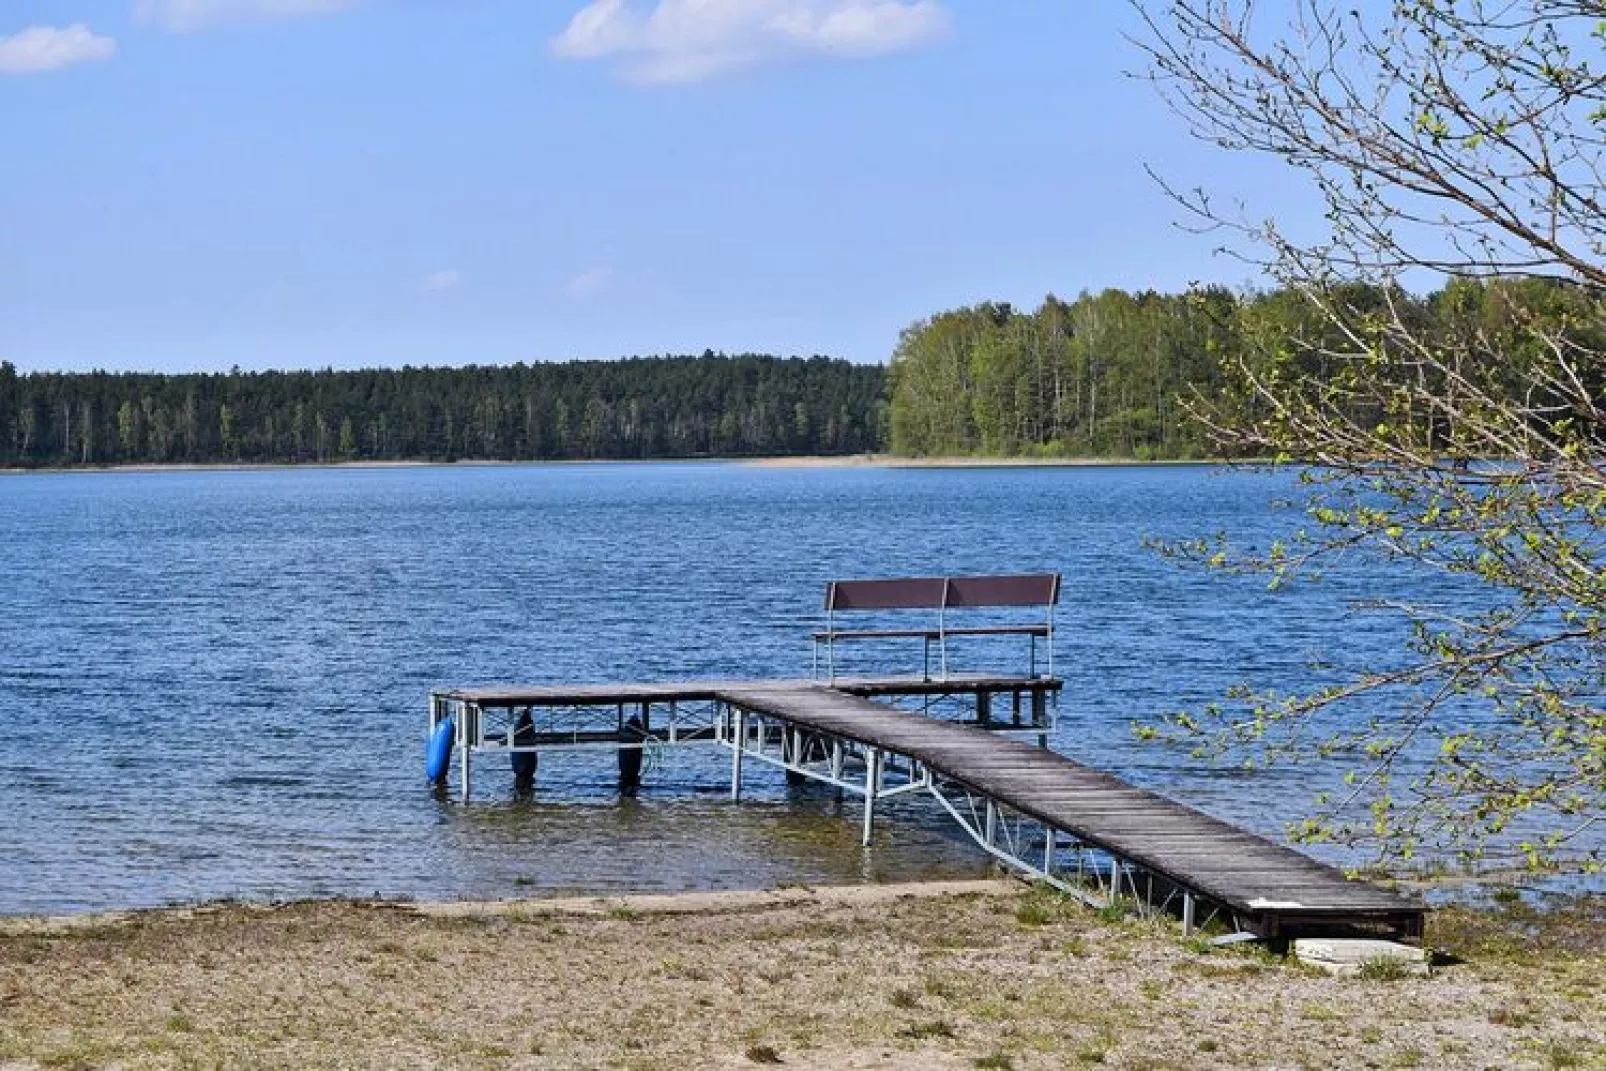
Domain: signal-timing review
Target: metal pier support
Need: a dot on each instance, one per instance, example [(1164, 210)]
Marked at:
[(739, 742), (872, 785), (464, 751)]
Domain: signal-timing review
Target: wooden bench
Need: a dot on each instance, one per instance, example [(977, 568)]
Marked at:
[(941, 596)]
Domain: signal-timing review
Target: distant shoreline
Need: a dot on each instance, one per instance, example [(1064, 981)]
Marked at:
[(894, 461), (813, 461)]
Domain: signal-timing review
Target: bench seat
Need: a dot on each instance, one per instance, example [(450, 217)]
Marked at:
[(930, 633), (940, 597)]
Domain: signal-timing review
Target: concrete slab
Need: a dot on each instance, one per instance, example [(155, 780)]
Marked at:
[(1354, 956)]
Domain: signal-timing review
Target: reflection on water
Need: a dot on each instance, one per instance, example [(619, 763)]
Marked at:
[(214, 683)]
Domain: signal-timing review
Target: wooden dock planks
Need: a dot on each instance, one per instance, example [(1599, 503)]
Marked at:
[(1238, 869), (1264, 882), (516, 695)]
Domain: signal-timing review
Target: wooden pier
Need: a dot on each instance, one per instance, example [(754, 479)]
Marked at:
[(1045, 815), (1051, 818), (1055, 820)]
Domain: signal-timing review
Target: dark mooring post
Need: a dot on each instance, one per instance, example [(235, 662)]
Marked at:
[(631, 752), (524, 762)]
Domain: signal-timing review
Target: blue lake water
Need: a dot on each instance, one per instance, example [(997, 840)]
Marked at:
[(213, 683)]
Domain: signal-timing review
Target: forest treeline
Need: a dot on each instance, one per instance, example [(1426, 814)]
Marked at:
[(1119, 374), (1098, 376), (635, 408), (1104, 375)]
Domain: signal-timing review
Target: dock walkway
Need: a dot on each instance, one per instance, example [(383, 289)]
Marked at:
[(1268, 888), (1054, 819)]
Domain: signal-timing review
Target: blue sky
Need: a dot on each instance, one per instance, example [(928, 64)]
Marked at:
[(196, 184)]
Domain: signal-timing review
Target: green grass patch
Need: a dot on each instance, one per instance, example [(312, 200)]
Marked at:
[(1034, 913), (932, 1028), (1385, 969)]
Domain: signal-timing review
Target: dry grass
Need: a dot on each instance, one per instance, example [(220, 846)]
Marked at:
[(1000, 979)]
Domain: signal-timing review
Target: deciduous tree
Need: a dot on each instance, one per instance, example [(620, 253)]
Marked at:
[(1445, 139)]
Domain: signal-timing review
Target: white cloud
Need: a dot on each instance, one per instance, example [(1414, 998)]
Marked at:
[(183, 16), (45, 48), (588, 283), (441, 280), (679, 41)]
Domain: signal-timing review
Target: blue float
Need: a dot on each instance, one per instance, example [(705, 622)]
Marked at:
[(439, 755)]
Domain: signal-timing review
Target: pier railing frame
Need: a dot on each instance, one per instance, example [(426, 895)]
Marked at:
[(942, 595)]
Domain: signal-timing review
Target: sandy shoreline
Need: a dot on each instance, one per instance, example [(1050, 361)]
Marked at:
[(961, 975), (289, 466), (890, 461), (683, 903), (850, 461)]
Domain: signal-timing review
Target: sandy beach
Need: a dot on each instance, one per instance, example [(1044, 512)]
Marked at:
[(958, 975), (893, 461), (847, 461), (277, 466)]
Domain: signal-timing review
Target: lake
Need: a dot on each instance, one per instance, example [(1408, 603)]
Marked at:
[(214, 682)]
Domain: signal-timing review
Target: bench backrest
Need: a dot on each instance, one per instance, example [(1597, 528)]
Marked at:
[(943, 592)]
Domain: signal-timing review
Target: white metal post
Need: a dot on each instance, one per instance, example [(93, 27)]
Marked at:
[(872, 784), (1050, 639), (830, 635), (465, 761), (738, 742)]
